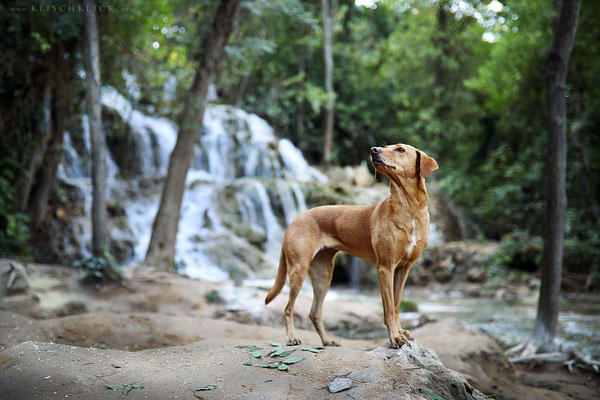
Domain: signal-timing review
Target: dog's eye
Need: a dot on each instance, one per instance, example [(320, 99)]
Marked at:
[(400, 149)]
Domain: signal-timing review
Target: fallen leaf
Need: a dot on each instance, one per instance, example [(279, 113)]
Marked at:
[(275, 344), (207, 387), (274, 365), (312, 349), (125, 389), (430, 394), (281, 352), (292, 360), (256, 354), (244, 346), (283, 367)]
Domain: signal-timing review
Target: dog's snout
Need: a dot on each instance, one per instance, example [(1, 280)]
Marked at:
[(375, 150)]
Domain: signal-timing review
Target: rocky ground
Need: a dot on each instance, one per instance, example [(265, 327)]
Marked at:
[(174, 336)]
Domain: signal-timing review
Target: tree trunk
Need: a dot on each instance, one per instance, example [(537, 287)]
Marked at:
[(328, 9), (557, 65), (161, 251), (47, 175), (38, 144), (92, 69), (301, 29)]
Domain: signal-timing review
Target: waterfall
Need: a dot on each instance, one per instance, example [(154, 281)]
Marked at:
[(297, 167), (241, 190)]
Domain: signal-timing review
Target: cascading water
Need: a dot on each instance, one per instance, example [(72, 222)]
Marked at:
[(241, 174)]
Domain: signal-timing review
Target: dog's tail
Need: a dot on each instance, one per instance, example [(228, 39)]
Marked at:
[(279, 281)]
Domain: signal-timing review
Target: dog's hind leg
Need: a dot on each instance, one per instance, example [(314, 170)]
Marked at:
[(297, 273), (320, 273)]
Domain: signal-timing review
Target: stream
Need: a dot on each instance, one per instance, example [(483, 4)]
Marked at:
[(508, 322)]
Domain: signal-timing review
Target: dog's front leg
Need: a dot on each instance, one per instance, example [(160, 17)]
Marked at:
[(400, 275), (386, 283)]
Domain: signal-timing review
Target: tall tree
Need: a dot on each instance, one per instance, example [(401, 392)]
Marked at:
[(92, 68), (302, 31), (557, 66), (63, 68), (328, 9), (161, 251)]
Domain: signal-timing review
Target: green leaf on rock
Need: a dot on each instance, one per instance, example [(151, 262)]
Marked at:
[(274, 365), (125, 388), (281, 352), (313, 349), (275, 344), (256, 354), (430, 394), (243, 346), (207, 387), (292, 360), (283, 367)]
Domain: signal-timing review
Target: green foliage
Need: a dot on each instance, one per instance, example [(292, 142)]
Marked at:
[(179, 265), (14, 226), (103, 267), (212, 297), (408, 306), (518, 251)]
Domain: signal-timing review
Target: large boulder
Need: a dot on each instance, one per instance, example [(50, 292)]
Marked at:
[(39, 369), (478, 358)]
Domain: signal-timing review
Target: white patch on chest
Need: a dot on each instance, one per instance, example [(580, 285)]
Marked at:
[(413, 240)]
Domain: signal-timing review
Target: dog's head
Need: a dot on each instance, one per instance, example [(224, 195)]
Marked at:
[(402, 160)]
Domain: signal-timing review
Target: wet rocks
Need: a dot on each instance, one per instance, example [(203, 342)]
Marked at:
[(476, 275)]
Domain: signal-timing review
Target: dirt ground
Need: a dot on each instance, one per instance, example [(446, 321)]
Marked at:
[(65, 339)]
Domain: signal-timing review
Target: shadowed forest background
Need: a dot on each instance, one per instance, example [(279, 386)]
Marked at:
[(218, 122)]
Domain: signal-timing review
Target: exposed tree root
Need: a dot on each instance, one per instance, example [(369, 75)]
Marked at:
[(581, 361), (528, 348), (525, 353), (541, 358)]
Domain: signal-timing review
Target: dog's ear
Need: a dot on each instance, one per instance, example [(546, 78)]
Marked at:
[(426, 164)]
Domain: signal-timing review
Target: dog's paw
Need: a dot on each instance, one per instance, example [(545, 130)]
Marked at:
[(398, 341), (406, 334), (294, 342)]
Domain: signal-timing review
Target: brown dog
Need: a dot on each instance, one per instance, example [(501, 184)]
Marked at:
[(391, 234)]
